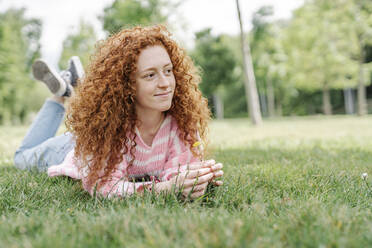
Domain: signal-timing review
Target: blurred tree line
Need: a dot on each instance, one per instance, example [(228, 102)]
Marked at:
[(19, 46), (315, 62), (312, 63)]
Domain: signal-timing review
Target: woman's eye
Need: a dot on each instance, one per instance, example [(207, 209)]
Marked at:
[(150, 75), (168, 71)]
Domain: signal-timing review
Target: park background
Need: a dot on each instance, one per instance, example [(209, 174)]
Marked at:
[(316, 60), (299, 178)]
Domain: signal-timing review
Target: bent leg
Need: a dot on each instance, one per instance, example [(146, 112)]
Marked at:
[(51, 152), (45, 124), (39, 148)]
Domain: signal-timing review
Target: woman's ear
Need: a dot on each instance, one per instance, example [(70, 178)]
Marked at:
[(131, 98)]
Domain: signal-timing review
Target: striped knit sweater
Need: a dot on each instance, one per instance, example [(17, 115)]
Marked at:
[(166, 157)]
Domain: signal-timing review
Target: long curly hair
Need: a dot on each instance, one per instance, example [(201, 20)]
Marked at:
[(102, 114)]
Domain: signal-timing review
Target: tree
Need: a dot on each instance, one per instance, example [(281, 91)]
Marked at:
[(126, 13), (357, 20), (19, 46), (250, 81), (316, 50), (268, 56), (217, 63), (80, 43)]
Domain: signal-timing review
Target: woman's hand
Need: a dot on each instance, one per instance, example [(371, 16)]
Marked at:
[(194, 179), (216, 170)]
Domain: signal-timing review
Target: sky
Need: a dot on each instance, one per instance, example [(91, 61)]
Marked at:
[(61, 17)]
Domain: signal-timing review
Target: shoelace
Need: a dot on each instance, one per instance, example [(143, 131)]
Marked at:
[(66, 75)]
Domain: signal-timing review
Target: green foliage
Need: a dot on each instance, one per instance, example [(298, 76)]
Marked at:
[(19, 46), (218, 65), (357, 27), (80, 43), (127, 13), (316, 48), (293, 182), (320, 47), (325, 43), (216, 61), (234, 97), (269, 56)]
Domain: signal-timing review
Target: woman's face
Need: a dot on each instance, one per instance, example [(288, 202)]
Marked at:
[(155, 81)]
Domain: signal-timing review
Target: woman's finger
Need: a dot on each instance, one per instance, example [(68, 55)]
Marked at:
[(198, 180), (198, 165), (217, 167), (195, 173), (218, 174), (180, 178), (196, 194), (196, 188), (208, 163), (218, 183)]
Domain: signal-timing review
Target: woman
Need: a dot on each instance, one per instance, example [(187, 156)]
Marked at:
[(136, 117)]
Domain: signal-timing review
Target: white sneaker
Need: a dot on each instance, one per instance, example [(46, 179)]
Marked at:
[(49, 77), (76, 69)]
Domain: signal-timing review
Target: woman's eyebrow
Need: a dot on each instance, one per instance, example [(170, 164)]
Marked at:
[(154, 68), (147, 69)]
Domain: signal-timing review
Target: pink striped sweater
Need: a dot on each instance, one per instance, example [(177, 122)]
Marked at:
[(165, 158)]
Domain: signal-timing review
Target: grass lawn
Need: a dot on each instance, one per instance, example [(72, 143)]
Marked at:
[(294, 182)]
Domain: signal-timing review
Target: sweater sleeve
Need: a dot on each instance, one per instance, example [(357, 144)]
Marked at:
[(66, 168), (118, 185), (115, 186), (180, 156)]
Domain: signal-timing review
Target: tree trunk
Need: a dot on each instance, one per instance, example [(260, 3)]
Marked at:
[(349, 101), (362, 98), (327, 107), (263, 104), (362, 101), (249, 79), (279, 109), (218, 106), (270, 98)]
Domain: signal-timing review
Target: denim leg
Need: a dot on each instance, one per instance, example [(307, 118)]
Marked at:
[(40, 149)]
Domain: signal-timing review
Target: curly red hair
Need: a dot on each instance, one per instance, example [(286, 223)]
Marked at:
[(102, 113)]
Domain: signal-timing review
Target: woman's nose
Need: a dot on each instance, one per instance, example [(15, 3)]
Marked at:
[(163, 80)]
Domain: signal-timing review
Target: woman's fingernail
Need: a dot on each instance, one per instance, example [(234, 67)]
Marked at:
[(219, 173)]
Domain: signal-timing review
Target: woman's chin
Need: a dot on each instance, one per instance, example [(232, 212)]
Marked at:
[(165, 107)]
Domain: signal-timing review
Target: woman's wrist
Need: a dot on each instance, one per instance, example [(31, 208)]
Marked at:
[(162, 187)]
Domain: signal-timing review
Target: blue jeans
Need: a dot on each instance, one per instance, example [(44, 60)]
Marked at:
[(40, 147)]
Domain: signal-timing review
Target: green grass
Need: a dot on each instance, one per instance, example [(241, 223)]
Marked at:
[(294, 182)]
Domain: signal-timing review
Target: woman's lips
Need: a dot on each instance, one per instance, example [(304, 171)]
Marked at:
[(163, 94)]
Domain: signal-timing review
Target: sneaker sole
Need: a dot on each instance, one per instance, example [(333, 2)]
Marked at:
[(49, 77), (76, 69)]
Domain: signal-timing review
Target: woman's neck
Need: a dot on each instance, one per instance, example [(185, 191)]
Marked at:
[(150, 122)]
